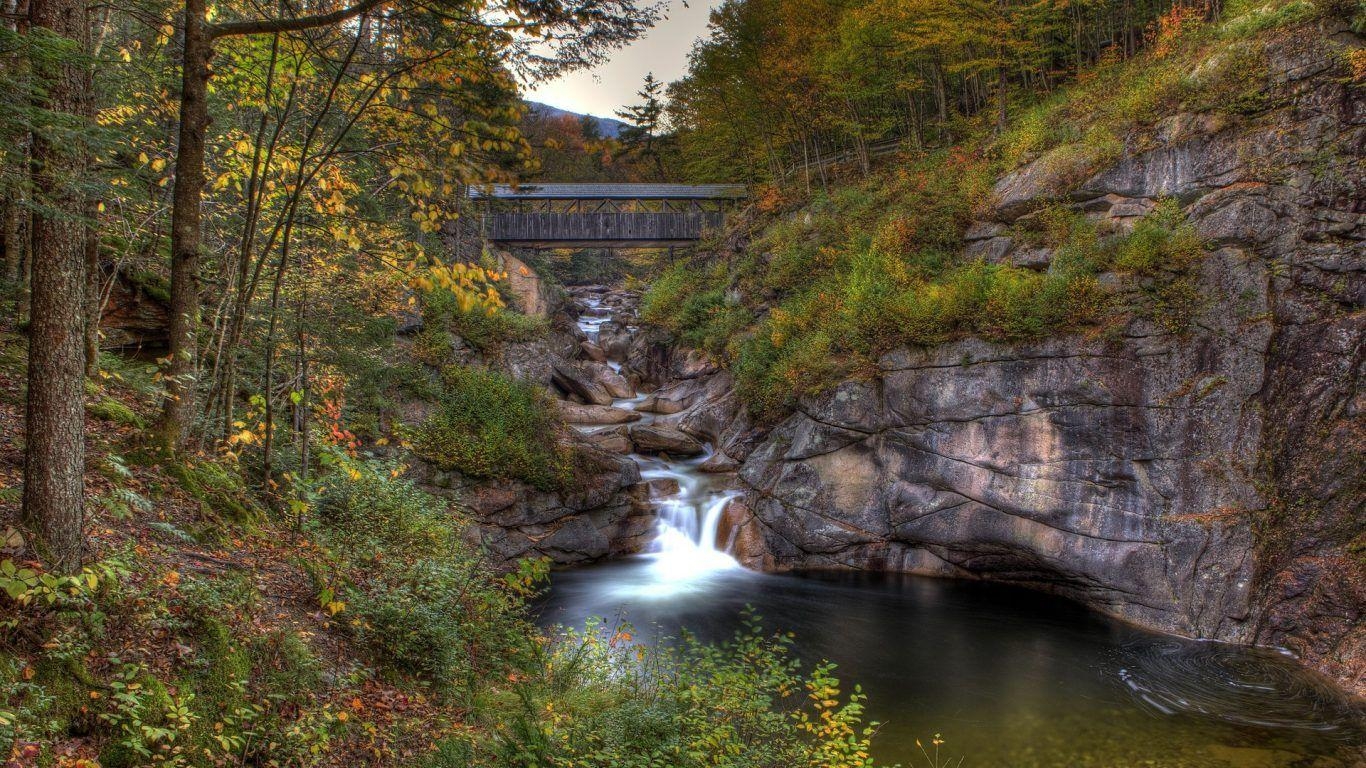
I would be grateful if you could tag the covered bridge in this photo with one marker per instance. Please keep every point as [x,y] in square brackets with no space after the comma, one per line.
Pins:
[604,215]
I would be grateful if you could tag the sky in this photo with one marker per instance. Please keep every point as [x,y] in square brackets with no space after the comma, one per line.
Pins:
[664,50]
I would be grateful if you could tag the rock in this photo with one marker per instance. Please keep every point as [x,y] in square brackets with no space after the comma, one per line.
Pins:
[719,462]
[605,513]
[614,383]
[572,379]
[1141,474]
[983,230]
[660,438]
[529,293]
[575,413]
[1034,185]
[662,487]
[1183,171]
[616,440]
[134,318]
[740,534]
[1032,258]
[991,250]
[592,351]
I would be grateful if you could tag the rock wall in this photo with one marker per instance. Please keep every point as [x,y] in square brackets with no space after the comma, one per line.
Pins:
[1209,482]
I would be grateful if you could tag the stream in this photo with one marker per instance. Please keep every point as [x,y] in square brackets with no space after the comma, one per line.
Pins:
[1010,677]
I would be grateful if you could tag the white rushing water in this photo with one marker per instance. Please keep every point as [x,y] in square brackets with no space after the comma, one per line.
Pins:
[688,503]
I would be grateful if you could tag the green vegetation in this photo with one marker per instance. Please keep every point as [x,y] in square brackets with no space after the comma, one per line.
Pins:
[866,263]
[598,699]
[830,298]
[488,424]
[481,328]
[377,632]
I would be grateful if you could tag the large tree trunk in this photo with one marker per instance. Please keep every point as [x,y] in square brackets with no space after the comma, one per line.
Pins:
[94,296]
[178,409]
[54,463]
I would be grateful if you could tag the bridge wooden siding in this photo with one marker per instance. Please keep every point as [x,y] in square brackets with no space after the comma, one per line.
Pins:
[604,215]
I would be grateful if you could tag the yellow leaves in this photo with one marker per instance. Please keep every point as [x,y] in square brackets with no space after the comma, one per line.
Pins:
[171,579]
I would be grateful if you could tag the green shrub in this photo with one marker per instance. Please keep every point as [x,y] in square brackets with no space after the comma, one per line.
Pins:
[422,602]
[599,701]
[488,424]
[1162,241]
[482,329]
[221,490]
[368,511]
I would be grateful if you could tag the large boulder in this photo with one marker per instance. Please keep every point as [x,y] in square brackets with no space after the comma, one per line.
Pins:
[576,380]
[580,413]
[661,438]
[604,513]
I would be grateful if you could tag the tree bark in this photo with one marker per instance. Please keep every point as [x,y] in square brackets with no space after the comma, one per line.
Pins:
[54,461]
[185,228]
[94,297]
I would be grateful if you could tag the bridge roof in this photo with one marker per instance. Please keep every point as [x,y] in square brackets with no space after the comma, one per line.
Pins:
[612,192]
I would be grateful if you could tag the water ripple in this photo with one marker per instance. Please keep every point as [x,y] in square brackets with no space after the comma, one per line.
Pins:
[1235,684]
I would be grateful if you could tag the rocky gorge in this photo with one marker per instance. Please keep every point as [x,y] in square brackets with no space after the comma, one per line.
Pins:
[1204,481]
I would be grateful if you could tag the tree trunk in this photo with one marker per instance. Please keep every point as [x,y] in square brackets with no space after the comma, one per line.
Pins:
[185,228]
[54,461]
[13,242]
[93,295]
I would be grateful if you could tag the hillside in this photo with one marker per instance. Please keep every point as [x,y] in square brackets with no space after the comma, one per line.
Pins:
[1113,350]
[607,127]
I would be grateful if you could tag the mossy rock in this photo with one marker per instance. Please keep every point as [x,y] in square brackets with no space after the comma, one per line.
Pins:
[114,411]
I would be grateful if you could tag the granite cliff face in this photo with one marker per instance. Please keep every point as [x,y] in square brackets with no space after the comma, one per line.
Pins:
[1206,481]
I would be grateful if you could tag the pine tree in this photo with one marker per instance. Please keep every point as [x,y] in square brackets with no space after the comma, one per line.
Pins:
[645,123]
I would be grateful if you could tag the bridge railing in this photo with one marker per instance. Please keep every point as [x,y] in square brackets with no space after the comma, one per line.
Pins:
[623,228]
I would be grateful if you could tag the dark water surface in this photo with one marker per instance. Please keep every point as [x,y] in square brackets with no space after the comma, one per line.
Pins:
[1009,677]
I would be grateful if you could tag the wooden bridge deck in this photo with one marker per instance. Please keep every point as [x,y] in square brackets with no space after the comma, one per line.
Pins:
[604,215]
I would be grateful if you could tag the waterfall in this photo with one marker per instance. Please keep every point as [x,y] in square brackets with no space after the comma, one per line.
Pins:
[686,522]
[687,504]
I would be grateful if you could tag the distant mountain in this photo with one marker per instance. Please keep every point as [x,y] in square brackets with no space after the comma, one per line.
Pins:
[606,125]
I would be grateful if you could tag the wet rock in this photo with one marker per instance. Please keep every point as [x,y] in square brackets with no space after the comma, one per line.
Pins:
[719,462]
[614,440]
[577,413]
[662,487]
[614,383]
[660,438]
[572,379]
[593,351]
[605,513]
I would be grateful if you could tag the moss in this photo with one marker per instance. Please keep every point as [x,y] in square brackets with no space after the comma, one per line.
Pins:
[222,491]
[114,411]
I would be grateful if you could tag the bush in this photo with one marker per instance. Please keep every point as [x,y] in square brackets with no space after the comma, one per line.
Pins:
[423,602]
[368,511]
[1162,241]
[488,424]
[482,329]
[597,700]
